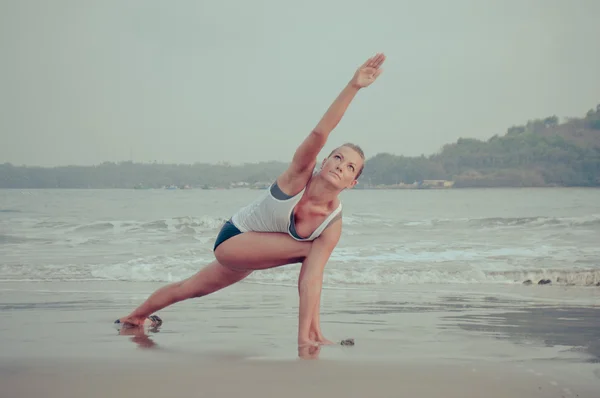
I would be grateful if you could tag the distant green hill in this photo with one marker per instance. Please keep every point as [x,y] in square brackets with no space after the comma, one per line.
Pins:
[542,152]
[539,153]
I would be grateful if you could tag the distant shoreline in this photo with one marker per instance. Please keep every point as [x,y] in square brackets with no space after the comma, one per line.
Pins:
[540,153]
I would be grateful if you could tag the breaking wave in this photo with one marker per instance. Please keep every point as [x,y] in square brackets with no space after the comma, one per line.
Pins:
[172,268]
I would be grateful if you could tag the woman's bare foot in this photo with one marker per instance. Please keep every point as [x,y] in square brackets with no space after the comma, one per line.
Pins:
[152,321]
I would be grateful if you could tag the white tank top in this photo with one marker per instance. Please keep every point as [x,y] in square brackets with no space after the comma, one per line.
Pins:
[273,212]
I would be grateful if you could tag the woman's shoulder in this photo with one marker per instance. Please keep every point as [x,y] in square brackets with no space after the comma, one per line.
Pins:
[292,184]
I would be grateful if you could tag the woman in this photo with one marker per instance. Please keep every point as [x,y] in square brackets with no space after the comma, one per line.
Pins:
[297,220]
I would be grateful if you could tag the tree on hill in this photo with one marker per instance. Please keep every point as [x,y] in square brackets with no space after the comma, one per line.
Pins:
[540,152]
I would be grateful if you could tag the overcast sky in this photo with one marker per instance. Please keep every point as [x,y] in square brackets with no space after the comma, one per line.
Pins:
[82,82]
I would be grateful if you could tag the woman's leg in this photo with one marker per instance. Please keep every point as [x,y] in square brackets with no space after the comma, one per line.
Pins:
[206,281]
[251,251]
[242,254]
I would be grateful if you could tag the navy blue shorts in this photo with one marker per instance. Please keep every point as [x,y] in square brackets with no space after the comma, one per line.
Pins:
[227,231]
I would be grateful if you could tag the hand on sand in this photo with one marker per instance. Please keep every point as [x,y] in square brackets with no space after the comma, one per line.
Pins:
[322,340]
[368,72]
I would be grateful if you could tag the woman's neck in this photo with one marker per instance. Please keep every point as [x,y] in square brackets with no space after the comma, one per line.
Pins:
[320,192]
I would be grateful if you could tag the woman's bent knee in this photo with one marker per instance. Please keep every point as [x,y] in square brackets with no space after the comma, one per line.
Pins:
[223,256]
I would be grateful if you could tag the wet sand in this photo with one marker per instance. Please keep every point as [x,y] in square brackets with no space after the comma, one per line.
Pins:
[233,378]
[439,341]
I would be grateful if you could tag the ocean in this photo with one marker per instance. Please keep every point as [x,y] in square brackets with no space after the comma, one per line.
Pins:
[391,238]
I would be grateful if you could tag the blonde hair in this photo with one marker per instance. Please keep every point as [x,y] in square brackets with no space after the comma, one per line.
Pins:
[356,149]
